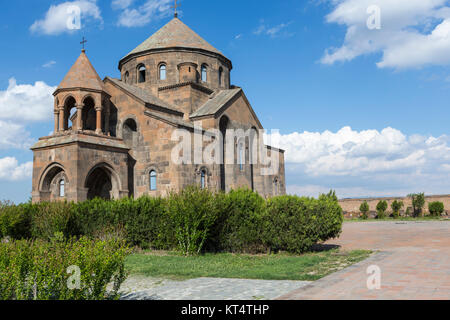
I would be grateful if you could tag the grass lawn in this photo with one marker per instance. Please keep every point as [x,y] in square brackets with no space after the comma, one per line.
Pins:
[311,266]
[426,218]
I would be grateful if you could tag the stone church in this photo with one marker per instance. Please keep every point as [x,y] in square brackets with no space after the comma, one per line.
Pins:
[113,138]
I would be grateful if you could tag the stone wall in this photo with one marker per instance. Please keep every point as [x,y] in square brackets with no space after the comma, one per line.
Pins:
[351,206]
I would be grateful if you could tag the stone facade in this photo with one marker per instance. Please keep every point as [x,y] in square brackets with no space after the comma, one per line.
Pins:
[351,206]
[114,137]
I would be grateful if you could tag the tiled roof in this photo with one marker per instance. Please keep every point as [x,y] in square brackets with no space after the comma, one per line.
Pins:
[175,34]
[143,95]
[212,106]
[82,75]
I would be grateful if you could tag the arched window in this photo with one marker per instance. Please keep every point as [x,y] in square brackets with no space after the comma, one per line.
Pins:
[61,187]
[127,77]
[204,73]
[162,72]
[220,76]
[275,186]
[153,180]
[141,74]
[203,179]
[241,156]
[129,133]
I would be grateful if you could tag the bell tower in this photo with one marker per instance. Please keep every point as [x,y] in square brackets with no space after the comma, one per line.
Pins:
[80,160]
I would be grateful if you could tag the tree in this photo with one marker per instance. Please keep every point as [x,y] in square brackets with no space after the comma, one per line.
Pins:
[364,208]
[436,208]
[418,203]
[396,206]
[381,209]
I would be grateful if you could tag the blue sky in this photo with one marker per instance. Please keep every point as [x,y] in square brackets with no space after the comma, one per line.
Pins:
[363,111]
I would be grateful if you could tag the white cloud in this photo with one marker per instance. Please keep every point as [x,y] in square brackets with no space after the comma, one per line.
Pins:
[14,135]
[366,163]
[144,14]
[49,64]
[11,170]
[121,4]
[272,32]
[26,102]
[414,33]
[56,19]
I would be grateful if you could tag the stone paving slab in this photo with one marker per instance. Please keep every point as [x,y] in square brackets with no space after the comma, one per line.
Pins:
[414,258]
[142,288]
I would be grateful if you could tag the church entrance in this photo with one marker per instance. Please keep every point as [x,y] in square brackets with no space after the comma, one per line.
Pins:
[99,184]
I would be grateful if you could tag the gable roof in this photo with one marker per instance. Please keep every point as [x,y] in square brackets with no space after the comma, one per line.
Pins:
[220,101]
[174,34]
[82,75]
[145,96]
[213,105]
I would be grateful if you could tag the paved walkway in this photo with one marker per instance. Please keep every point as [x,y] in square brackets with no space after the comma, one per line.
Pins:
[143,288]
[414,259]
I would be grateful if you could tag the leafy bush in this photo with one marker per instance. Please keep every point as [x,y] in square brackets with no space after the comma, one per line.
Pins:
[192,221]
[15,221]
[418,203]
[193,213]
[240,221]
[364,208]
[396,206]
[45,270]
[48,218]
[295,224]
[148,225]
[381,209]
[436,208]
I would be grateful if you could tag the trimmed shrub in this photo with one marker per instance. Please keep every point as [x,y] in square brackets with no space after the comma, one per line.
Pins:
[148,225]
[396,206]
[436,208]
[364,208]
[295,224]
[193,213]
[39,270]
[381,209]
[240,222]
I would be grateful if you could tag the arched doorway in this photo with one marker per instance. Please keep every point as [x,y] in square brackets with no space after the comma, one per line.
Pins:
[102,182]
[54,183]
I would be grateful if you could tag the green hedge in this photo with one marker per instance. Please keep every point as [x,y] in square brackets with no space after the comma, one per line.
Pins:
[192,221]
[48,270]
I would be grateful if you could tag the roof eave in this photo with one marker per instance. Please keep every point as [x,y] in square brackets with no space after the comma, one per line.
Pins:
[156,50]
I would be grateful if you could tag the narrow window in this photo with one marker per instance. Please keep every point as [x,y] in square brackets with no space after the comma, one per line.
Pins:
[203,179]
[153,180]
[162,72]
[220,76]
[204,73]
[62,192]
[141,74]
[275,186]
[127,76]
[241,156]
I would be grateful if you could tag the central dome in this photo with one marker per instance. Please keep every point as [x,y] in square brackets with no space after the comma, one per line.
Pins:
[174,34]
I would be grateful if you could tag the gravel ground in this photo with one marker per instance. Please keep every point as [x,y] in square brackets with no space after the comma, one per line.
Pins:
[144,288]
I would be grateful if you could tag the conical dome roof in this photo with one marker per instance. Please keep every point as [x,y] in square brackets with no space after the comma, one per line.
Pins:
[174,34]
[82,75]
